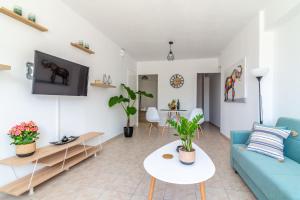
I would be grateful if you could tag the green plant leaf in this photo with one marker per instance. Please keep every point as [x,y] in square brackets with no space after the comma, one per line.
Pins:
[130,92]
[113,101]
[131,110]
[186,130]
[143,93]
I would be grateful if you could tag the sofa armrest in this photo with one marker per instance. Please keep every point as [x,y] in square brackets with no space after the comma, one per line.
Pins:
[239,137]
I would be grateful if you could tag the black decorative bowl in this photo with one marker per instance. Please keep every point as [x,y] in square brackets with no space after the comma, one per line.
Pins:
[62,142]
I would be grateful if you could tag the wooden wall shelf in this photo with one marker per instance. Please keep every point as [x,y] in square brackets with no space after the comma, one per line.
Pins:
[82,48]
[5,67]
[22,19]
[102,85]
[56,159]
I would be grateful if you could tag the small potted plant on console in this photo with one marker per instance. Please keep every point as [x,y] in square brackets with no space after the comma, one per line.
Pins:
[186,130]
[23,137]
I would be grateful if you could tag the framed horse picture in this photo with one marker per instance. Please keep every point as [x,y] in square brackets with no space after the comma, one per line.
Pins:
[235,83]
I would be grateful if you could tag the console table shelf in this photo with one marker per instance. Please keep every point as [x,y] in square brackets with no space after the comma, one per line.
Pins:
[56,159]
[60,156]
[22,19]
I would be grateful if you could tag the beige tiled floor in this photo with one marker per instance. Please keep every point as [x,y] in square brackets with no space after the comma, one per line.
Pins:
[118,173]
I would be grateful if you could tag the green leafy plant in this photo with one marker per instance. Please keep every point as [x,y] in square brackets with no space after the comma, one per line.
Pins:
[186,130]
[24,133]
[127,102]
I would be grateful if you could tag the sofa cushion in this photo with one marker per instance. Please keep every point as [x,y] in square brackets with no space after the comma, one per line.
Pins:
[292,143]
[277,180]
[268,140]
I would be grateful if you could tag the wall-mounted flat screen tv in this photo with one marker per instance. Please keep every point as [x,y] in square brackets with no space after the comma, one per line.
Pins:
[56,76]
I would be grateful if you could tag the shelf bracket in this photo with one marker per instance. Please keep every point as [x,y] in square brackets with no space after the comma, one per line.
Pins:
[65,157]
[31,178]
[13,169]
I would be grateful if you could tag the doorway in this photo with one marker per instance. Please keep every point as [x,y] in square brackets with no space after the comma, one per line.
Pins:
[209,96]
[149,84]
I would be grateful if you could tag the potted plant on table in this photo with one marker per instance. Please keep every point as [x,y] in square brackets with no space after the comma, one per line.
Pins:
[127,102]
[187,131]
[24,136]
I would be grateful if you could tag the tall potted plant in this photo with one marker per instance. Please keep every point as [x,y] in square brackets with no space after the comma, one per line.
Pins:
[187,131]
[24,136]
[127,102]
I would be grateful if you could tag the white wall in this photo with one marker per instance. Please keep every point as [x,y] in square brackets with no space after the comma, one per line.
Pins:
[287,69]
[245,44]
[78,114]
[270,40]
[187,94]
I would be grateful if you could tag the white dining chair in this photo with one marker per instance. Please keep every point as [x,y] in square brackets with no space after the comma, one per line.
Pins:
[152,117]
[192,114]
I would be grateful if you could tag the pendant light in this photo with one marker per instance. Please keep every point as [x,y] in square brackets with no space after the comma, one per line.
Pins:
[170,56]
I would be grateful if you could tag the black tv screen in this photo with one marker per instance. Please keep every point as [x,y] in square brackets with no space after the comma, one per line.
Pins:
[56,76]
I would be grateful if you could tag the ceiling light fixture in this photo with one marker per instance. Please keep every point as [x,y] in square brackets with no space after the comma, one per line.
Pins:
[170,56]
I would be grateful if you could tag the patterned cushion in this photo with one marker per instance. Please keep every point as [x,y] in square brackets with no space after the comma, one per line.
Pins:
[268,141]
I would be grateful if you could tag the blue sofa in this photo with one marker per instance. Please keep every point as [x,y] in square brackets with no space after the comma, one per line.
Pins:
[268,178]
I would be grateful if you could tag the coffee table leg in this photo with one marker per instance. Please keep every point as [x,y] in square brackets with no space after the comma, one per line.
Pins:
[202,191]
[152,184]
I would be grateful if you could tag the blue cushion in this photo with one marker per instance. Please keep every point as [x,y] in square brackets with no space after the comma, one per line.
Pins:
[292,143]
[275,179]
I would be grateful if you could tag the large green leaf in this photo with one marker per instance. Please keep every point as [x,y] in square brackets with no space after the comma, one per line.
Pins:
[143,93]
[131,110]
[116,100]
[130,92]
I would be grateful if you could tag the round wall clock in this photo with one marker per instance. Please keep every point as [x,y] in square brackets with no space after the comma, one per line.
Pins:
[176,81]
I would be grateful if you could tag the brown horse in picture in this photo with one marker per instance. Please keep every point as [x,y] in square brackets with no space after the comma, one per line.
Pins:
[230,81]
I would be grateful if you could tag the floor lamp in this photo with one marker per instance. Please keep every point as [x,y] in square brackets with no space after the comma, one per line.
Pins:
[259,73]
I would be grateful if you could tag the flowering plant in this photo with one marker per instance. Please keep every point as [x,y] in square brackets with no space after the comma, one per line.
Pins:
[24,133]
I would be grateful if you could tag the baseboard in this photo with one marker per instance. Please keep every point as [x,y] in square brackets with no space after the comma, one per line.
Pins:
[224,136]
[213,124]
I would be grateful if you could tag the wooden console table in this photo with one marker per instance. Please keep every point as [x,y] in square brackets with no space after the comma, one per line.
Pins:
[55,158]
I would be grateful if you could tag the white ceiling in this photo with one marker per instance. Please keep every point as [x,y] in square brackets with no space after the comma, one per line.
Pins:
[199,28]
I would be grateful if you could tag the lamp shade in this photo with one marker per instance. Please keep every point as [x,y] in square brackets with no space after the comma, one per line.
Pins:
[260,71]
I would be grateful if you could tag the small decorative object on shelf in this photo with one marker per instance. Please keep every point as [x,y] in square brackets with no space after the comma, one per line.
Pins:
[86,45]
[104,79]
[32,17]
[82,46]
[109,81]
[17,15]
[172,105]
[65,140]
[24,136]
[18,10]
[98,81]
[187,131]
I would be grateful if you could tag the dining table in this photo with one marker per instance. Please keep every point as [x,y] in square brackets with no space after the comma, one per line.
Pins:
[173,112]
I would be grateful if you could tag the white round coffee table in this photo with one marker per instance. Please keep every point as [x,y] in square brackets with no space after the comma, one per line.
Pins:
[173,171]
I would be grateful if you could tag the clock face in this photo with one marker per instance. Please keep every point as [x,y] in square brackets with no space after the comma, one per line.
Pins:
[176,81]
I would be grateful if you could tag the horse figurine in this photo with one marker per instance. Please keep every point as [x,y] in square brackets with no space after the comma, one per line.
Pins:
[230,81]
[57,71]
